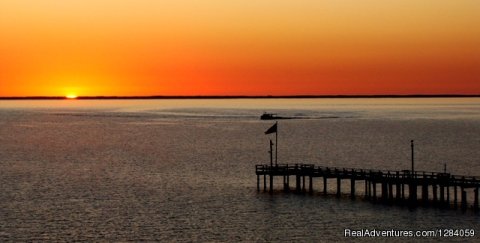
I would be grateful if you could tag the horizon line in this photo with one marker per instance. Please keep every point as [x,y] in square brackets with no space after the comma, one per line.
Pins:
[239,97]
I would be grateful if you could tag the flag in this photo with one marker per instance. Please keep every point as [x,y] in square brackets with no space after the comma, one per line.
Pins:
[272,129]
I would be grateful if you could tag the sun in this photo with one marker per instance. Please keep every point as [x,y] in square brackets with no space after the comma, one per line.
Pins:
[71,96]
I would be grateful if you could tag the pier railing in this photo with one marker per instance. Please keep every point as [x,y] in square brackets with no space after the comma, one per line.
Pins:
[333,172]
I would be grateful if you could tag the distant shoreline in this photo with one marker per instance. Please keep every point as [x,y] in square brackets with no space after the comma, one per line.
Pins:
[238,97]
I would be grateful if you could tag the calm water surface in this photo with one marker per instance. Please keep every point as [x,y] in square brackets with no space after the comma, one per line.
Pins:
[183,170]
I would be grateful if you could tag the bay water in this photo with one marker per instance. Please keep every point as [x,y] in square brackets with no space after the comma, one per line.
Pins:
[184,170]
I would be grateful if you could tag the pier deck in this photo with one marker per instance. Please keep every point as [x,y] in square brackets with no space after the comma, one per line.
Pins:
[439,189]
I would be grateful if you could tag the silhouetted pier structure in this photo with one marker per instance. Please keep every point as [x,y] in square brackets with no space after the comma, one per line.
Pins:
[391,187]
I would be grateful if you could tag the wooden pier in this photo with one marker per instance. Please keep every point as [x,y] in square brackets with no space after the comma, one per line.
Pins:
[390,187]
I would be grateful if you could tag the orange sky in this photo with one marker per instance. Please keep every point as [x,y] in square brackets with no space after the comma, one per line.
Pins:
[238,47]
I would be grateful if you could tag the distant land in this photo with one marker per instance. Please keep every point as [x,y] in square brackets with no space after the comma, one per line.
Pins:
[239,97]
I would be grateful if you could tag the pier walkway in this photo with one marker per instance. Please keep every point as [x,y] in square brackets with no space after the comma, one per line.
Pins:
[392,187]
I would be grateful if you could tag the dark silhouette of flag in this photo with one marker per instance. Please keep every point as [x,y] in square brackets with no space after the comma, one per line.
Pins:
[272,129]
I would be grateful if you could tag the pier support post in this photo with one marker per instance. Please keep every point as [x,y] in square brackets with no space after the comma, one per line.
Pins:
[352,188]
[397,187]
[366,188]
[384,191]
[310,185]
[374,191]
[265,182]
[398,193]
[369,189]
[286,186]
[288,182]
[403,190]
[258,183]
[271,183]
[464,199]
[442,195]
[298,188]
[455,197]
[324,185]
[425,194]
[338,186]
[413,193]
[390,192]
[448,195]
[434,190]
[303,183]
[475,200]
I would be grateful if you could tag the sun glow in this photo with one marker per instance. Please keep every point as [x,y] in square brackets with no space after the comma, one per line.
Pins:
[144,47]
[71,96]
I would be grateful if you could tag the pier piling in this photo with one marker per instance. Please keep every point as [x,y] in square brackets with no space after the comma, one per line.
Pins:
[352,188]
[271,184]
[398,193]
[390,192]
[455,197]
[384,191]
[298,189]
[339,186]
[475,202]
[264,182]
[425,193]
[303,183]
[464,199]
[325,185]
[366,189]
[442,195]
[310,185]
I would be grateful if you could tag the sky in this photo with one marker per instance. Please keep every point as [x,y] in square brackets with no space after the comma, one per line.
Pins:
[239,47]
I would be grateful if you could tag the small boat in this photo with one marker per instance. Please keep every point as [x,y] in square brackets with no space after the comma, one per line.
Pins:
[271,116]
[268,116]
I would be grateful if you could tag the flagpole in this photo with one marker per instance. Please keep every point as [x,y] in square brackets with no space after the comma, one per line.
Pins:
[276,144]
[271,153]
